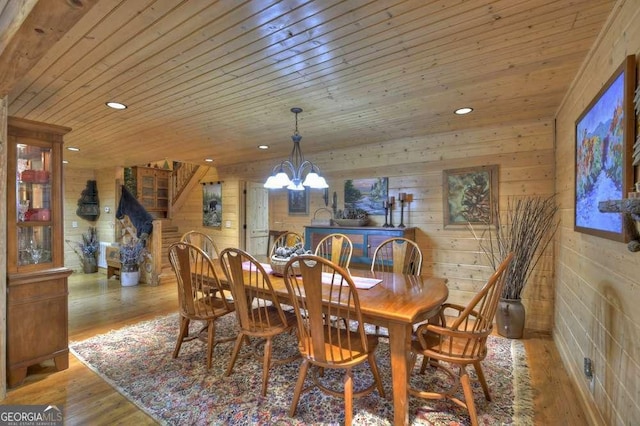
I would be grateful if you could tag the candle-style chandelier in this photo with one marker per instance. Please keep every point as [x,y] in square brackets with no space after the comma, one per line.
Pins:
[296,166]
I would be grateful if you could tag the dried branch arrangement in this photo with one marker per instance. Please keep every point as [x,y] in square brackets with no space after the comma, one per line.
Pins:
[530,226]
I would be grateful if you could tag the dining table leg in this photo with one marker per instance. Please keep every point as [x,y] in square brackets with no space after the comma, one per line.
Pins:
[399,343]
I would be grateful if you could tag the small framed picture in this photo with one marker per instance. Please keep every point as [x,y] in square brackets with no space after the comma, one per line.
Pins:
[298,202]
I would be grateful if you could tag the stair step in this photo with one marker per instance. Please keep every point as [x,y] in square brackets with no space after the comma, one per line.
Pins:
[171,234]
[166,242]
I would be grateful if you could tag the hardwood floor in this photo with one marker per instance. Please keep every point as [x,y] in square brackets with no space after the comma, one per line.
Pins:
[97,305]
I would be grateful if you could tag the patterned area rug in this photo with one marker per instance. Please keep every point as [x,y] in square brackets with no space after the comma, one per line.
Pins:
[136,360]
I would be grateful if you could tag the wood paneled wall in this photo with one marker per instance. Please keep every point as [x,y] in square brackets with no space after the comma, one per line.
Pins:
[75,181]
[524,153]
[190,216]
[107,181]
[598,280]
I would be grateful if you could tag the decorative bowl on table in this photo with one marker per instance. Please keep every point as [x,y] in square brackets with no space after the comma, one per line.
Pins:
[282,255]
[352,222]
[351,217]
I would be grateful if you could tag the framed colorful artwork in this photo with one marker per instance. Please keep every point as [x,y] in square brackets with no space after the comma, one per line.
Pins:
[212,204]
[604,141]
[366,194]
[470,196]
[298,202]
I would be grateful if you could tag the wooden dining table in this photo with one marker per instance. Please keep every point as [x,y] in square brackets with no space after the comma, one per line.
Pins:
[397,303]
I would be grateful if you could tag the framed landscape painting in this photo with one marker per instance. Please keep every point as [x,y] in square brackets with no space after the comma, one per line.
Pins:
[470,196]
[604,139]
[366,194]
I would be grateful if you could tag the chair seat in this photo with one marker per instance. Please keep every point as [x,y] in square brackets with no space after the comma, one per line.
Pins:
[453,350]
[213,305]
[273,318]
[355,353]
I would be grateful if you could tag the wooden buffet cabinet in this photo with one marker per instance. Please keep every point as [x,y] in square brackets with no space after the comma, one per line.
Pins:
[365,239]
[37,292]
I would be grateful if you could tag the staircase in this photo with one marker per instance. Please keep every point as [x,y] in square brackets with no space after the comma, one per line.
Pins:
[184,178]
[170,234]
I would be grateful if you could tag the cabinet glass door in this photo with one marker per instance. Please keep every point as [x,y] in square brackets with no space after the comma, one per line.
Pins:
[34,245]
[148,192]
[33,199]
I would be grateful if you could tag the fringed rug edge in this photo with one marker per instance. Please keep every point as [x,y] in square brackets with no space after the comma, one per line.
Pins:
[523,404]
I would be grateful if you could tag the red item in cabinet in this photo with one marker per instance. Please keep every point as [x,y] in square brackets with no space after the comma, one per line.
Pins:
[28,176]
[38,215]
[29,215]
[44,215]
[42,176]
[37,176]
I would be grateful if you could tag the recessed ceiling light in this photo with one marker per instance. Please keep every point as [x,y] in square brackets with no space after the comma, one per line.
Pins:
[65,162]
[209,160]
[73,148]
[263,146]
[116,105]
[463,111]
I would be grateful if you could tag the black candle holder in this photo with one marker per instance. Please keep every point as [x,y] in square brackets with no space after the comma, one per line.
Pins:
[391,202]
[386,212]
[401,214]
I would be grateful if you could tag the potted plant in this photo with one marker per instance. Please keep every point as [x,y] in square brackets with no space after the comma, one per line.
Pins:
[132,254]
[87,250]
[530,225]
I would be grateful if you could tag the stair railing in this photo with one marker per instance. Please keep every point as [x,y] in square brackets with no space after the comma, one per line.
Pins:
[182,174]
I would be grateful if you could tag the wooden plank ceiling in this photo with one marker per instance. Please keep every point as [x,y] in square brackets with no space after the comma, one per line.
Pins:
[205,78]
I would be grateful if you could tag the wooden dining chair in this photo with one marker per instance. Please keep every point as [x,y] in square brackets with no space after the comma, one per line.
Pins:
[199,291]
[399,255]
[203,241]
[287,239]
[259,314]
[337,248]
[396,254]
[461,342]
[329,344]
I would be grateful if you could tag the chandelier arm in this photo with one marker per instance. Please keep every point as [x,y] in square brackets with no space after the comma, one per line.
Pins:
[290,166]
[304,165]
[276,169]
[296,166]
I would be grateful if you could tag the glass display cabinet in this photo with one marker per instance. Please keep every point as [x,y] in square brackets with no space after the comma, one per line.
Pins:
[152,189]
[36,277]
